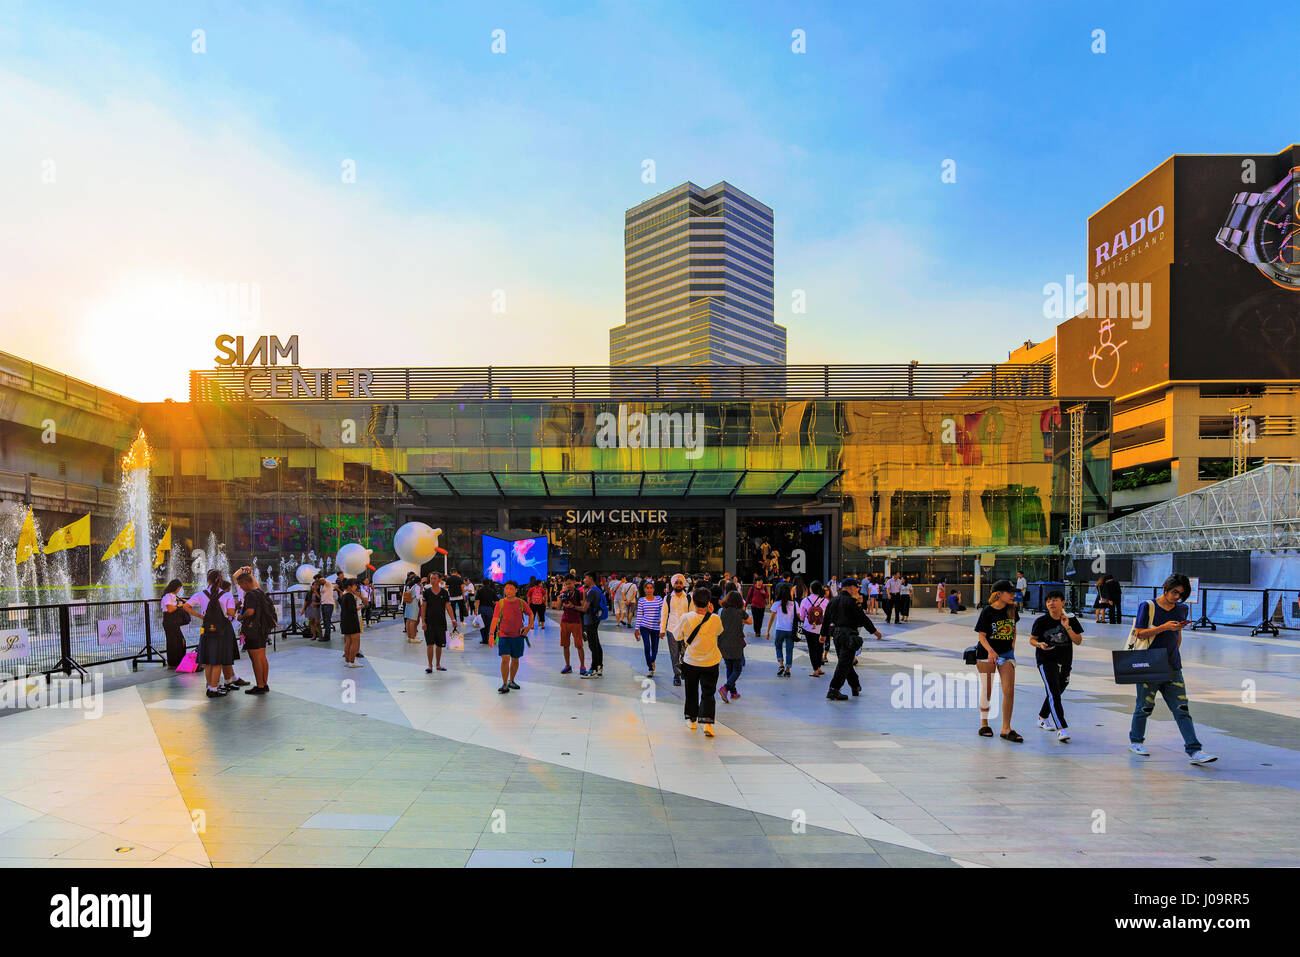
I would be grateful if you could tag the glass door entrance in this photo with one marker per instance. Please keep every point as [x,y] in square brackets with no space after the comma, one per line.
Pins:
[773,546]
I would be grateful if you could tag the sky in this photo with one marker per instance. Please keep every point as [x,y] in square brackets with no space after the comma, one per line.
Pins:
[376,179]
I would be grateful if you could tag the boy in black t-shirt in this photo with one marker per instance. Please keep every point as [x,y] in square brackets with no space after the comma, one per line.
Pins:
[996,651]
[1054,636]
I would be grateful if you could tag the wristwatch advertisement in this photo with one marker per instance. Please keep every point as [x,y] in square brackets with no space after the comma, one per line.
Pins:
[1264,229]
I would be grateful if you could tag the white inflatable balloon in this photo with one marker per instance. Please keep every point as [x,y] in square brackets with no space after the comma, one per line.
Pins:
[352,559]
[415,543]
[394,573]
[306,574]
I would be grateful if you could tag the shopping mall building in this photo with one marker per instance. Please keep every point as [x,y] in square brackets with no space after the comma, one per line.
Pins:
[833,468]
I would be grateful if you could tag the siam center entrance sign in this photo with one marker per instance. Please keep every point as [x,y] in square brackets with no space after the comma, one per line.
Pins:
[264,379]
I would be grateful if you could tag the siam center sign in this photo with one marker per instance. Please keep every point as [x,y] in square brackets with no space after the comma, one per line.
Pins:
[264,378]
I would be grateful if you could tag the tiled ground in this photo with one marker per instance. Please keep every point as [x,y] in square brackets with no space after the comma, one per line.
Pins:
[387,766]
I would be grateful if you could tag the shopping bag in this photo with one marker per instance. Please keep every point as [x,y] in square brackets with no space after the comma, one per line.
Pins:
[474,621]
[456,642]
[190,663]
[1141,666]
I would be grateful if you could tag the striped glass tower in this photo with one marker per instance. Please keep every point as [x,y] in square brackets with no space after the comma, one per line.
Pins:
[698,273]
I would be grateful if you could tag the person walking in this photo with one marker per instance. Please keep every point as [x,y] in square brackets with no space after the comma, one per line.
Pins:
[904,596]
[631,592]
[435,604]
[257,620]
[350,621]
[594,610]
[731,642]
[327,600]
[1114,599]
[512,619]
[485,598]
[1022,587]
[873,595]
[456,594]
[215,605]
[537,603]
[782,621]
[571,626]
[1053,637]
[893,587]
[677,605]
[700,630]
[757,600]
[1099,603]
[649,610]
[1160,623]
[996,652]
[844,617]
[411,593]
[812,616]
[175,614]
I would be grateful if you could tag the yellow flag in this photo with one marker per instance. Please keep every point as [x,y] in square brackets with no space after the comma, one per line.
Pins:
[26,539]
[125,539]
[70,536]
[164,545]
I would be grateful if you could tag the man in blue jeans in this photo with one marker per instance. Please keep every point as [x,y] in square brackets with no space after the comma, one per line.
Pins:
[1162,621]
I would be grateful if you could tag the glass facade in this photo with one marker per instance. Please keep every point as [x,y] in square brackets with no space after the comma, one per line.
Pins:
[913,476]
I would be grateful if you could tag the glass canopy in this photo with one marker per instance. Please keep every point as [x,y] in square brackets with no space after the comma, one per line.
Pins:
[701,483]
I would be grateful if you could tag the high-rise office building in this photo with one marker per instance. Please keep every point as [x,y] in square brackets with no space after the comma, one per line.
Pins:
[698,272]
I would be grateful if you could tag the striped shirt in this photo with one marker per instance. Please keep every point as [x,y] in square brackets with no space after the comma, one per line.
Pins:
[648,611]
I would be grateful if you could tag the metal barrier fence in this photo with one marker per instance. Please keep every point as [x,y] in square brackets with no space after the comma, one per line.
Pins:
[1253,608]
[73,636]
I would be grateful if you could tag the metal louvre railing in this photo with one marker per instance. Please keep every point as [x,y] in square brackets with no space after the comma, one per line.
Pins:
[639,383]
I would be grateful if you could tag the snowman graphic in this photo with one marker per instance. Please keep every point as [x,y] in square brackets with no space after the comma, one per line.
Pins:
[1105,352]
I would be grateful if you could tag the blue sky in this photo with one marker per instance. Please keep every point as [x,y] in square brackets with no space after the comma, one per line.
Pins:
[478,172]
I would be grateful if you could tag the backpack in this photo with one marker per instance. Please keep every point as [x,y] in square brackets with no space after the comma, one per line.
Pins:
[816,611]
[270,617]
[214,616]
[604,605]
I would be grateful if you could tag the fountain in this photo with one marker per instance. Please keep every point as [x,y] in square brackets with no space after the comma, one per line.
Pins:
[130,572]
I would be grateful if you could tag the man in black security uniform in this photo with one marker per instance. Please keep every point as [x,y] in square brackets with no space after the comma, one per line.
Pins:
[844,616]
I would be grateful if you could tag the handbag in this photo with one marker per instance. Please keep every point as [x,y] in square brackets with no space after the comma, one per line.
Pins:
[1141,666]
[971,655]
[456,642]
[190,663]
[1134,642]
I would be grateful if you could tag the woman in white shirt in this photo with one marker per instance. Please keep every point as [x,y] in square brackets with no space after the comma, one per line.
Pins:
[174,609]
[218,647]
[780,619]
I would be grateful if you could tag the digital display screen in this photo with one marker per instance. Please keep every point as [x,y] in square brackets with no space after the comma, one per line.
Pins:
[517,561]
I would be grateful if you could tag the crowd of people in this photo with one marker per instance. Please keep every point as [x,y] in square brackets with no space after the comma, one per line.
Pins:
[700,621]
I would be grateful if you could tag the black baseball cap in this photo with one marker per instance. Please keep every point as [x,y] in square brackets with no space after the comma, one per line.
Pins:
[1003,585]
[850,583]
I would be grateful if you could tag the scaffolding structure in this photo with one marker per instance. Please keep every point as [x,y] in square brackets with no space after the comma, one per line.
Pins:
[1076,469]
[1255,511]
[1240,427]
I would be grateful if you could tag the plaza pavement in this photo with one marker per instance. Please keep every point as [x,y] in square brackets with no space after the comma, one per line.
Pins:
[388,766]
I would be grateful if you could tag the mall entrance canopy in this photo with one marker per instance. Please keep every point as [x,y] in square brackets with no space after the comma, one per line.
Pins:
[733,484]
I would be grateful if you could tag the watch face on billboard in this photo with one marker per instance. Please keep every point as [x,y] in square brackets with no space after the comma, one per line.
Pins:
[1236,285]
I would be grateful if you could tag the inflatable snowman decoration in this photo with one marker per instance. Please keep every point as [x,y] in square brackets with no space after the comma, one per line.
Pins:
[415,544]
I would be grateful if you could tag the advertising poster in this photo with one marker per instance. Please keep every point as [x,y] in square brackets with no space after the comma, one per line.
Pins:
[14,644]
[110,632]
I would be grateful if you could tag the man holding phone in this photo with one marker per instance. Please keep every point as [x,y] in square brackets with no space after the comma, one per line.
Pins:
[1163,621]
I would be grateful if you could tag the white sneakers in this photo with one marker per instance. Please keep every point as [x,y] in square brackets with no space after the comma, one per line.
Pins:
[1200,757]
[1063,735]
[1045,725]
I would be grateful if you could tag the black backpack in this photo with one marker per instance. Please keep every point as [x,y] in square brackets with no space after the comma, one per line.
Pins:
[214,616]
